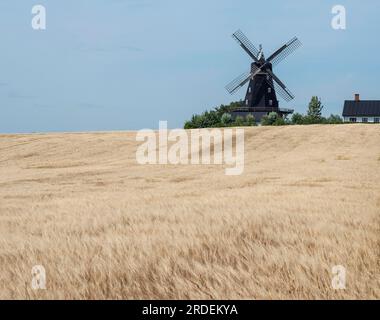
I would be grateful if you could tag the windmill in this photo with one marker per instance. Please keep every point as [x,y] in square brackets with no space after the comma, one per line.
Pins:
[264,85]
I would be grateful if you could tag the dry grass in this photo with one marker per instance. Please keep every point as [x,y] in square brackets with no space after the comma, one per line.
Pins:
[105,227]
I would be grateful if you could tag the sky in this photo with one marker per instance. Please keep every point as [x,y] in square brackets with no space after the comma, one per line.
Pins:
[127,64]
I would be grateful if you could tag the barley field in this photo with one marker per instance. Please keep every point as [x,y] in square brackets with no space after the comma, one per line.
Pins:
[105,227]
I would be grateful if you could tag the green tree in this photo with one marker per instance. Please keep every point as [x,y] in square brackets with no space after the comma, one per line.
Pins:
[197,120]
[222,109]
[188,125]
[314,111]
[211,119]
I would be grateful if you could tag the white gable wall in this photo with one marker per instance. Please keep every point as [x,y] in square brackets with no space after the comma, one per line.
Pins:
[360,119]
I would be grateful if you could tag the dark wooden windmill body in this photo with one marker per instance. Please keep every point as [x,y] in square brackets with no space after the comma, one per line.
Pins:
[263,84]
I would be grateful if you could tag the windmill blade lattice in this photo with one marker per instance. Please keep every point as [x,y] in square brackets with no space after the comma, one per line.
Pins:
[247,45]
[238,82]
[284,51]
[279,87]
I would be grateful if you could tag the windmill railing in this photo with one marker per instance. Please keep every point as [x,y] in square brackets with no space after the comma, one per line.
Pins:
[256,109]
[285,110]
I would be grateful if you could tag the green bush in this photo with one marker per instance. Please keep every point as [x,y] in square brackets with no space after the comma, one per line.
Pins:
[226,119]
[270,119]
[279,122]
[297,118]
[239,121]
[334,119]
[250,120]
[311,120]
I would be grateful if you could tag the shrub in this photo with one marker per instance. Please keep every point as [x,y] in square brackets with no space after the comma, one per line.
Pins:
[310,120]
[226,119]
[239,121]
[211,119]
[250,120]
[270,119]
[297,118]
[279,122]
[334,119]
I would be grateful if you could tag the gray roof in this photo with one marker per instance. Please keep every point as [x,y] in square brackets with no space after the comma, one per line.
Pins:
[369,108]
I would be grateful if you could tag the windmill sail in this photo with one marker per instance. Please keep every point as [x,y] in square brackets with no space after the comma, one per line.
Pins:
[284,51]
[247,45]
[241,80]
[279,86]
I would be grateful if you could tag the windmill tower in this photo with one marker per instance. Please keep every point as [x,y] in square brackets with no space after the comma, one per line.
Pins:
[264,85]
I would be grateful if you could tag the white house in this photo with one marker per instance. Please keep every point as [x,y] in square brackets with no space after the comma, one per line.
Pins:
[364,111]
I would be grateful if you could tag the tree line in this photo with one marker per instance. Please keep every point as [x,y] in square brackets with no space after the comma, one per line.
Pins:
[221,117]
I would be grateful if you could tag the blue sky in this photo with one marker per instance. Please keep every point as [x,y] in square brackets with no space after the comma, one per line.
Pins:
[126,64]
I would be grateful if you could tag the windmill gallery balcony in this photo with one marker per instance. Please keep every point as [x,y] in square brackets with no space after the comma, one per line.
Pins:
[259,112]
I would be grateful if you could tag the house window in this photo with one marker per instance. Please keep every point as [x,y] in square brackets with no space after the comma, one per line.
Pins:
[246,102]
[352,119]
[269,90]
[376,120]
[271,102]
[249,89]
[365,120]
